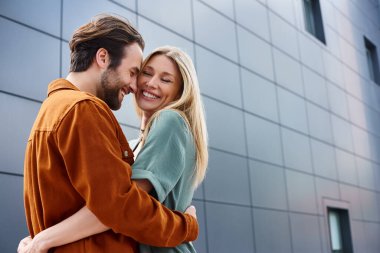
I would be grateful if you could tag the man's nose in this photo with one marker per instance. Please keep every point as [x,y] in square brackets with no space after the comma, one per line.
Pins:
[133,86]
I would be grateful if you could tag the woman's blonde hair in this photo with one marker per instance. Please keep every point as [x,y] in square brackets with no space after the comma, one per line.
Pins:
[189,105]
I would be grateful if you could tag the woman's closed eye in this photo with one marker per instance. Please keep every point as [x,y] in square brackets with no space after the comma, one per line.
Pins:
[166,80]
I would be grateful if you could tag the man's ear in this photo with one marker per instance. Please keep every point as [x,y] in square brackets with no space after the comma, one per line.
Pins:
[102,58]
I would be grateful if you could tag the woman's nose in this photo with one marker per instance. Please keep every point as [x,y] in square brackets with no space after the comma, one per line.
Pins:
[152,82]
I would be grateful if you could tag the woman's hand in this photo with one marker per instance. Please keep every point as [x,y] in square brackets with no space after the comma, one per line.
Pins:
[24,245]
[29,245]
[192,211]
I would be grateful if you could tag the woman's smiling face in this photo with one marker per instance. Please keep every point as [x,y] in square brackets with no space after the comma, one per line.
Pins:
[158,84]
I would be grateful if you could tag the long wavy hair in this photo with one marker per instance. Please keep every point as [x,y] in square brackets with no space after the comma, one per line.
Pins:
[189,105]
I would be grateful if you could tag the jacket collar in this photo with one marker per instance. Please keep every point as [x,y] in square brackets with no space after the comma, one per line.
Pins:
[60,84]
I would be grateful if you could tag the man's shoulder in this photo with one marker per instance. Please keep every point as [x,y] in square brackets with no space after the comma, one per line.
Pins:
[63,93]
[65,101]
[84,104]
[71,97]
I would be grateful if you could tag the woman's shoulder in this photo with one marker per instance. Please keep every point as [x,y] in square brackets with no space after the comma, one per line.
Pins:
[171,117]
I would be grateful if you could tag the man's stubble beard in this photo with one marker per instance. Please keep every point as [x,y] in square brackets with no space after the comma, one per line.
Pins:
[111,85]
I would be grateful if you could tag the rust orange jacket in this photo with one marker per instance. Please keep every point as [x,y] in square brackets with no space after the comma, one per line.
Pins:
[77,155]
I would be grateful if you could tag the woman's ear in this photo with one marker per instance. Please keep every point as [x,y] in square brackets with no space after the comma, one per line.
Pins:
[102,58]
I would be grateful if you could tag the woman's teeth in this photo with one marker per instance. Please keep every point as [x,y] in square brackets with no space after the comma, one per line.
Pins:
[149,95]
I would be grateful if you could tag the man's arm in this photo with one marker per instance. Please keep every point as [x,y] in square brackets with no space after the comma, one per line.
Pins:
[78,226]
[88,143]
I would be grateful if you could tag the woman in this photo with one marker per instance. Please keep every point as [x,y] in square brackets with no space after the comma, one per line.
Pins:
[171,153]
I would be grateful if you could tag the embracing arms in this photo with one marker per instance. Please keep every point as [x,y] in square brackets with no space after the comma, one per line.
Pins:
[80,225]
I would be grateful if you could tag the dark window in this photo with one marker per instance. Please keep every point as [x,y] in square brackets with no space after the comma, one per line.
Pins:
[372,61]
[313,19]
[340,232]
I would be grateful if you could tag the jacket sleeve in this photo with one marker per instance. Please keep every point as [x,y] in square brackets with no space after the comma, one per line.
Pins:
[87,141]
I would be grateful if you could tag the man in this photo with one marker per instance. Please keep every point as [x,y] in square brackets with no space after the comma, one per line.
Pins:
[78,156]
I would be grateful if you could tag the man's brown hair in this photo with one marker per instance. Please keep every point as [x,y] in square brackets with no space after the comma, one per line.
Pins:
[104,31]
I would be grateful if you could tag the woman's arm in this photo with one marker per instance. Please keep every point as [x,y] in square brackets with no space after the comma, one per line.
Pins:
[144,184]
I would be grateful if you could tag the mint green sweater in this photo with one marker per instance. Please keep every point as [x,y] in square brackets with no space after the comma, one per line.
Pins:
[167,160]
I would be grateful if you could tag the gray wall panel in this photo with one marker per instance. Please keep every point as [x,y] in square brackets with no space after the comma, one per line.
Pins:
[25,69]
[324,160]
[301,200]
[253,16]
[77,13]
[12,223]
[259,95]
[217,76]
[288,72]
[272,231]
[65,63]
[268,186]
[305,233]
[326,189]
[370,205]
[226,130]
[255,53]
[226,7]
[342,133]
[173,14]
[15,131]
[361,142]
[199,192]
[296,149]
[359,237]
[229,228]
[346,167]
[315,88]
[292,110]
[284,8]
[319,123]
[264,141]
[128,4]
[156,36]
[201,243]
[222,41]
[44,15]
[227,179]
[333,69]
[366,173]
[351,195]
[284,36]
[373,242]
[311,52]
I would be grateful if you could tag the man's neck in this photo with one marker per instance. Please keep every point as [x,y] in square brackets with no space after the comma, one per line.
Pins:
[84,81]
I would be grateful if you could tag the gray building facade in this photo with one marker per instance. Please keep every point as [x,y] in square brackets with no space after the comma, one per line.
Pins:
[293,118]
